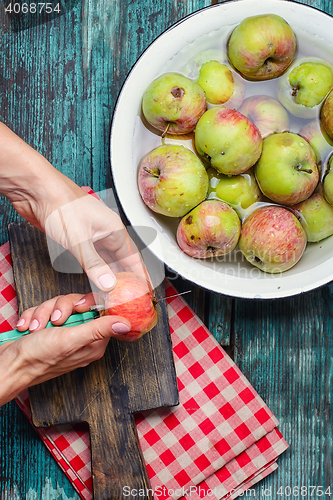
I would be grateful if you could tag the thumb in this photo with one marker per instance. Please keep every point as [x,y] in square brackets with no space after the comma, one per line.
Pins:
[96,268]
[99,329]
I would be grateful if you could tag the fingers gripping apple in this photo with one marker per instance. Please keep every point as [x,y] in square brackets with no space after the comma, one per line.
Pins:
[132,298]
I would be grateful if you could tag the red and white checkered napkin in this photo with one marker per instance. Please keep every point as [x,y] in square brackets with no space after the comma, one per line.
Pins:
[220,440]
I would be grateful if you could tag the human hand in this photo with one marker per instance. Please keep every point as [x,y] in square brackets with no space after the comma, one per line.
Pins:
[48,353]
[53,203]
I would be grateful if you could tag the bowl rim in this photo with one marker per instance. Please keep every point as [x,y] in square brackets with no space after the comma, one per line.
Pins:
[227,286]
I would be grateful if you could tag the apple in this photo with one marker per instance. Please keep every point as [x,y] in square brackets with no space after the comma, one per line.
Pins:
[266,113]
[328,183]
[316,217]
[304,87]
[287,171]
[220,84]
[318,140]
[173,103]
[239,191]
[262,47]
[326,115]
[192,68]
[272,239]
[172,180]
[228,140]
[133,299]
[208,65]
[209,230]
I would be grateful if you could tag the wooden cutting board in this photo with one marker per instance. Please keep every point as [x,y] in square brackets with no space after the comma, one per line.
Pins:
[131,377]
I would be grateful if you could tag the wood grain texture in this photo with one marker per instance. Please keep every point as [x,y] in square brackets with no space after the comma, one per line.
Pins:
[130,377]
[59,82]
[285,348]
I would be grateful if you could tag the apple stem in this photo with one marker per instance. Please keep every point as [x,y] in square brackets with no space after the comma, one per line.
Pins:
[307,170]
[165,131]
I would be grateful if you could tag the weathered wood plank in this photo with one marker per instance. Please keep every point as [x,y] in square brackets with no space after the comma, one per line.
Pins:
[59,84]
[285,348]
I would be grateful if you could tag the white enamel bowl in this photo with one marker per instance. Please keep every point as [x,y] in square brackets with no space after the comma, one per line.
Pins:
[131,140]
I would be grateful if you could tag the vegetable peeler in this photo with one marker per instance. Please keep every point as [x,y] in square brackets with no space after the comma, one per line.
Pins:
[74,319]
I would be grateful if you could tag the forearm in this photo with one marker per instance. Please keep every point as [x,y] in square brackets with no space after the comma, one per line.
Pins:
[28,179]
[14,378]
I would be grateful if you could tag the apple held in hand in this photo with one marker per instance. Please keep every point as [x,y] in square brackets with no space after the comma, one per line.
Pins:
[262,47]
[287,172]
[266,113]
[239,191]
[173,103]
[326,115]
[172,180]
[229,140]
[272,239]
[209,230]
[132,298]
[304,87]
[316,217]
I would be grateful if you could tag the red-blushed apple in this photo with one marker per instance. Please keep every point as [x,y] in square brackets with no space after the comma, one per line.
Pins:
[326,115]
[287,171]
[173,103]
[172,180]
[304,86]
[272,239]
[211,229]
[133,299]
[318,140]
[266,113]
[316,217]
[228,140]
[239,191]
[262,47]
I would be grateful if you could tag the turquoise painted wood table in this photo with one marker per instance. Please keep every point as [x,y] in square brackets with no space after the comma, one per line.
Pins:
[60,77]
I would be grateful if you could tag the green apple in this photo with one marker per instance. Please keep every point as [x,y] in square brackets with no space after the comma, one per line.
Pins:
[272,239]
[262,47]
[287,171]
[316,217]
[326,115]
[328,182]
[209,230]
[228,140]
[318,140]
[305,85]
[192,68]
[217,82]
[239,191]
[173,103]
[172,180]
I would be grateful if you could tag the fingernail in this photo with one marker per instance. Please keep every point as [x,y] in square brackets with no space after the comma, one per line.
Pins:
[20,322]
[34,324]
[119,328]
[82,301]
[56,315]
[106,281]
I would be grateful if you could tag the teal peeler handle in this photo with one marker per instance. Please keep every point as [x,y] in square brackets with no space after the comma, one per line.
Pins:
[74,319]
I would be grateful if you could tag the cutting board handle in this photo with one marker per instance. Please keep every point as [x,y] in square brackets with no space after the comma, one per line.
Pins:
[118,469]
